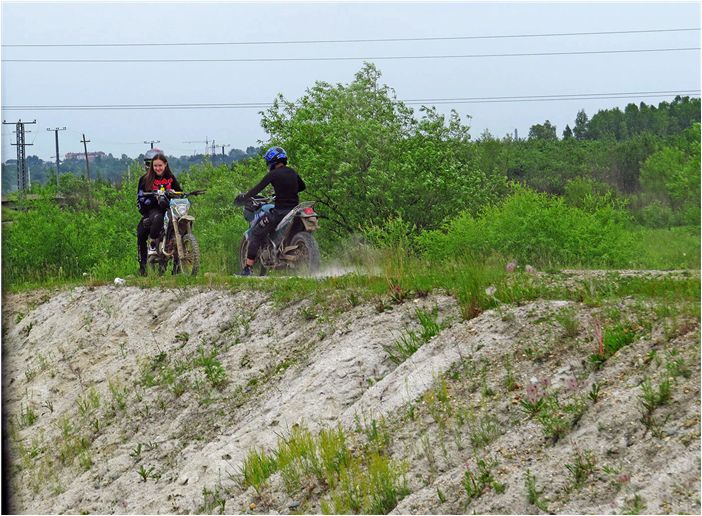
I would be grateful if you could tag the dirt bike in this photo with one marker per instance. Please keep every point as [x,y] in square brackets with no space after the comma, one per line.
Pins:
[291,246]
[179,244]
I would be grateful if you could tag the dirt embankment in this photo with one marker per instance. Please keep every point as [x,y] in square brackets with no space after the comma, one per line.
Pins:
[129,400]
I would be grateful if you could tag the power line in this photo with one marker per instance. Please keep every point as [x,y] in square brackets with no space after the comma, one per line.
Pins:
[455,100]
[359,40]
[345,58]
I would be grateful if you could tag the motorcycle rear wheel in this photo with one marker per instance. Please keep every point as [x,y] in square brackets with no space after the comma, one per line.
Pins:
[259,270]
[307,253]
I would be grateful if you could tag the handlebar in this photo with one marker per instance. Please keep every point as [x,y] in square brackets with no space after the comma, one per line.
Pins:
[173,193]
[255,202]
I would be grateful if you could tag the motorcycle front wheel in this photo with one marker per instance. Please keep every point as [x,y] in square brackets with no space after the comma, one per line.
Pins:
[307,258]
[155,266]
[189,263]
[259,270]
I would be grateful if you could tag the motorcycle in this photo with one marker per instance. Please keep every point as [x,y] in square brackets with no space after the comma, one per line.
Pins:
[291,246]
[177,242]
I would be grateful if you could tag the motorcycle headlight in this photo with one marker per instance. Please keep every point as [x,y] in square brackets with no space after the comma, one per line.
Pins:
[180,210]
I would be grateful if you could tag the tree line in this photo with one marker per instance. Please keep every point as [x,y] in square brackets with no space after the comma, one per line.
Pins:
[109,168]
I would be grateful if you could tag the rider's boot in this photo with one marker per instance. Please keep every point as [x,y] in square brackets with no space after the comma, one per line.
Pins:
[142,269]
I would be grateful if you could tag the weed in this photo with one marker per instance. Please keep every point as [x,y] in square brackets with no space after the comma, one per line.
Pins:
[88,403]
[476,484]
[27,416]
[136,452]
[594,393]
[484,430]
[429,323]
[214,370]
[257,467]
[441,495]
[509,382]
[212,500]
[582,468]
[611,341]
[48,404]
[404,347]
[567,319]
[437,400]
[85,460]
[635,505]
[534,493]
[678,367]
[334,453]
[377,433]
[651,397]
[119,395]
[30,374]
[145,473]
[182,337]
[428,450]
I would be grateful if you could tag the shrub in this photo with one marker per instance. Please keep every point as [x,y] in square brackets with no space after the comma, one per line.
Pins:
[538,229]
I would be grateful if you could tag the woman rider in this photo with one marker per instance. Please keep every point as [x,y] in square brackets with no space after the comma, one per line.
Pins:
[158,177]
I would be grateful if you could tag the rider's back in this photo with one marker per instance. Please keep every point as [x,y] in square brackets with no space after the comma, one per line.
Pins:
[286,184]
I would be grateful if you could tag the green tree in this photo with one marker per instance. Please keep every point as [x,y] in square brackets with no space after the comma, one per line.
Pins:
[672,176]
[545,131]
[580,131]
[366,159]
[567,133]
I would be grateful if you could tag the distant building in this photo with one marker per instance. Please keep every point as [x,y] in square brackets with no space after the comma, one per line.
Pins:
[81,155]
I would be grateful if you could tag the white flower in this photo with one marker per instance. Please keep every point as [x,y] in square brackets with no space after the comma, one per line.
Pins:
[490,291]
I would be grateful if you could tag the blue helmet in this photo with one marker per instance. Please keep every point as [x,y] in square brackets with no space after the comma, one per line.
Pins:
[275,155]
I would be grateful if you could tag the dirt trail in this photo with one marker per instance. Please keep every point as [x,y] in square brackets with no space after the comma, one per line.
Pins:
[100,383]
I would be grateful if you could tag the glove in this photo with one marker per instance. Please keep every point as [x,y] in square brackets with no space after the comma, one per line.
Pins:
[239,199]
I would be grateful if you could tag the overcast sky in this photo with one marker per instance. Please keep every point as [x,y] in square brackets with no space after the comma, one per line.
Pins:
[159,82]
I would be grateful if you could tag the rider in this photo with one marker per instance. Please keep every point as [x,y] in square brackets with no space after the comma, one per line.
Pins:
[286,185]
[157,177]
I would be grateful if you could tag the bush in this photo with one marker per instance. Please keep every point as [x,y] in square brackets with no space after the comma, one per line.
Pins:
[537,229]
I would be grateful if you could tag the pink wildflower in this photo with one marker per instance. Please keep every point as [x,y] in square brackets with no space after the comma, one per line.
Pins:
[598,337]
[511,266]
[572,383]
[533,394]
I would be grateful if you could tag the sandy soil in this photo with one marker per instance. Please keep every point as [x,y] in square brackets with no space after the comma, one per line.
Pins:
[100,383]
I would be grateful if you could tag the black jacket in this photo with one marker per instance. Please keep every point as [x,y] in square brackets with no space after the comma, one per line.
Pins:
[286,184]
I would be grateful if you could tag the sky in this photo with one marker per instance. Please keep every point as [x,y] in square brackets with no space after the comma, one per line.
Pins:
[157,81]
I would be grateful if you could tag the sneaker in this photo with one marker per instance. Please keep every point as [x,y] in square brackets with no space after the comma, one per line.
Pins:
[246,271]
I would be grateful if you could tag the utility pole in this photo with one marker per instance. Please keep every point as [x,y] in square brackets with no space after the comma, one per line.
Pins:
[223,146]
[152,142]
[56,130]
[87,169]
[22,173]
[213,147]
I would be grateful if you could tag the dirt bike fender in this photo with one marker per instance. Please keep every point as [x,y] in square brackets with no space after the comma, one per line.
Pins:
[187,217]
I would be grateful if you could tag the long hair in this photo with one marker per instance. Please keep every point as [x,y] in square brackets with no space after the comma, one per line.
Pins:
[151,175]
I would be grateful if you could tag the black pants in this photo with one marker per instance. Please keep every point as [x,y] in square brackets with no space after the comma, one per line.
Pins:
[264,227]
[150,225]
